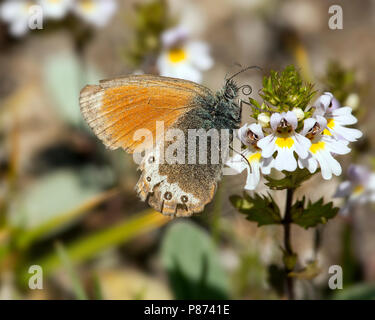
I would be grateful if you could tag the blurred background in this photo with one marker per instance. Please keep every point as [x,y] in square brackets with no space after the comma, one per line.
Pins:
[68,205]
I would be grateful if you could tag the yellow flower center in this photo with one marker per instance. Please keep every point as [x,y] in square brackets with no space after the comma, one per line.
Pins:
[254,157]
[327,132]
[316,147]
[331,123]
[177,55]
[358,189]
[284,142]
[87,5]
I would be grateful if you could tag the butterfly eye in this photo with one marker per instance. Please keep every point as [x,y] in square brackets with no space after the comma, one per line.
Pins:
[184,199]
[168,196]
[148,179]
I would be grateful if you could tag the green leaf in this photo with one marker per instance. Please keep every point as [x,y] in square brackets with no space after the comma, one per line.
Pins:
[191,260]
[90,245]
[314,214]
[52,195]
[78,289]
[291,180]
[262,210]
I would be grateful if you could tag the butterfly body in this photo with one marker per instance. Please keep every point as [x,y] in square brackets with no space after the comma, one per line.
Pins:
[116,108]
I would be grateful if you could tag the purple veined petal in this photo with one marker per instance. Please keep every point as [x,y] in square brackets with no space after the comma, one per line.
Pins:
[325,100]
[335,104]
[358,174]
[275,120]
[291,118]
[308,124]
[242,134]
[174,36]
[321,121]
[344,189]
[257,129]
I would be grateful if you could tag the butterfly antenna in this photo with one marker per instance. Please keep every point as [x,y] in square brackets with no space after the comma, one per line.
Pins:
[243,70]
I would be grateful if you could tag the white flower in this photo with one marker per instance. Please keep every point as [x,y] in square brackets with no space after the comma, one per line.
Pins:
[337,118]
[321,149]
[359,189]
[251,158]
[182,58]
[95,12]
[285,141]
[17,14]
[55,9]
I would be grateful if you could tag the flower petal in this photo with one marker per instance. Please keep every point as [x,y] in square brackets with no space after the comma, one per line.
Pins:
[267,144]
[302,145]
[253,176]
[275,120]
[291,117]
[285,160]
[343,190]
[237,162]
[344,116]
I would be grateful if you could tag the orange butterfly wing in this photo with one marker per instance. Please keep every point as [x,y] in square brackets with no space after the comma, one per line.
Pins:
[115,109]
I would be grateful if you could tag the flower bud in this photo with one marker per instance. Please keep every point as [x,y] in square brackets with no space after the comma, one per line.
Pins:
[299,113]
[264,119]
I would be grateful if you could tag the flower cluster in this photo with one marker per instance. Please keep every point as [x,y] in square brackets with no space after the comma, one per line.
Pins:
[182,57]
[358,189]
[18,14]
[289,133]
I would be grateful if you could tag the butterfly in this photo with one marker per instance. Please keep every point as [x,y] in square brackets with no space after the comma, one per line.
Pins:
[116,108]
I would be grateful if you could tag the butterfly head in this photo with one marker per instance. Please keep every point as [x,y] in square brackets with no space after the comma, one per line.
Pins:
[230,91]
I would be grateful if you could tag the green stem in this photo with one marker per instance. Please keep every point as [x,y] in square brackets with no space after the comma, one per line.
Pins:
[287,243]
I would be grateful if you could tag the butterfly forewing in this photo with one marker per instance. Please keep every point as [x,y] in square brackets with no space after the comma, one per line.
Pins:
[116,108]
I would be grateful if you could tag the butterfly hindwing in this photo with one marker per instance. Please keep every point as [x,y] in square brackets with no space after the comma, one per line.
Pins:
[180,189]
